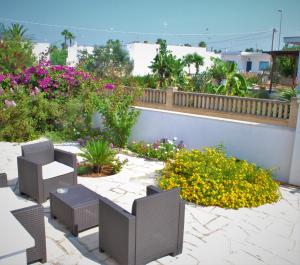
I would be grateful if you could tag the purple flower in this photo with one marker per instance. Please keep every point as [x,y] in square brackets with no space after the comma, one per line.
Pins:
[27,77]
[10,103]
[109,86]
[45,82]
[31,69]
[2,77]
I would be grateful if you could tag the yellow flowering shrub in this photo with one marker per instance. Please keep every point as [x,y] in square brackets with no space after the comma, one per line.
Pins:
[210,178]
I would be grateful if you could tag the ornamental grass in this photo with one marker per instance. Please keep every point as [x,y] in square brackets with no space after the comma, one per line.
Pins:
[211,178]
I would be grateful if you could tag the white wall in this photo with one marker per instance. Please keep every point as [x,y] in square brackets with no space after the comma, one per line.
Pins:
[295,165]
[241,58]
[74,52]
[143,54]
[39,48]
[266,145]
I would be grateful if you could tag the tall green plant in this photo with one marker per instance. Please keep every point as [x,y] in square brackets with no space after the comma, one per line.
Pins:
[110,60]
[15,49]
[195,59]
[119,116]
[229,81]
[166,66]
[58,56]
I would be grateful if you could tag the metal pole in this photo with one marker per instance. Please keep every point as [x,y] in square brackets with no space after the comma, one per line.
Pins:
[273,35]
[280,11]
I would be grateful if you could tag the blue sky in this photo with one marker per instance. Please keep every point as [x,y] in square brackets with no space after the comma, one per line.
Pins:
[96,21]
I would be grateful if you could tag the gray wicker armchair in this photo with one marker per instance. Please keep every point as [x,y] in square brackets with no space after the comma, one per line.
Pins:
[3,180]
[153,230]
[32,219]
[42,169]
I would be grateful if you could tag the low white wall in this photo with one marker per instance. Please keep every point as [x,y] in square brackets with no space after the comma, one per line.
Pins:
[266,145]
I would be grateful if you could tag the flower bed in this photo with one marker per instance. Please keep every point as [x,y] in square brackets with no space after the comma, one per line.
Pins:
[210,178]
[163,149]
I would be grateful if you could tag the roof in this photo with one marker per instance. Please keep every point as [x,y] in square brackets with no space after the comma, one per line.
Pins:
[282,53]
[239,53]
[292,40]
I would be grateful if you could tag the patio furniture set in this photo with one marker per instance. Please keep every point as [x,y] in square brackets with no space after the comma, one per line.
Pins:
[152,230]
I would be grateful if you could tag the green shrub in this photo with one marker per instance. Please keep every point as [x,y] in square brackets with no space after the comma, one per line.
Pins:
[16,123]
[15,55]
[119,116]
[28,117]
[210,178]
[75,118]
[58,56]
[98,154]
[163,149]
[287,94]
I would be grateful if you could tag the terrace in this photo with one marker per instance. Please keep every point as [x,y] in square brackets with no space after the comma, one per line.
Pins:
[268,234]
[101,167]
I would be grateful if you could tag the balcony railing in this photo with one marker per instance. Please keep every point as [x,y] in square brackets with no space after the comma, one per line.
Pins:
[240,108]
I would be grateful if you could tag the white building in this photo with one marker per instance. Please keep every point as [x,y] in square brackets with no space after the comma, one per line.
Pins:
[255,62]
[143,54]
[41,48]
[74,52]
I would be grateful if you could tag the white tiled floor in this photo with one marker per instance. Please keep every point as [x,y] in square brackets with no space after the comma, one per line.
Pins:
[269,234]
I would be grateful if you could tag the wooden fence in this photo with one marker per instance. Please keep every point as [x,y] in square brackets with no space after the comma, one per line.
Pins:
[248,109]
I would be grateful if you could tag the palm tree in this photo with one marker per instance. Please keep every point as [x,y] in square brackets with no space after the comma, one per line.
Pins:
[198,60]
[195,59]
[70,37]
[65,33]
[188,60]
[16,31]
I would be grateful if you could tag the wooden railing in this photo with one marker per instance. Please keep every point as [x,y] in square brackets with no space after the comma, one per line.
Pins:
[241,108]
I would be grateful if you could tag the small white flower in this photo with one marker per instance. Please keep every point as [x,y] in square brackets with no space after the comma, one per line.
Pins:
[175,139]
[148,145]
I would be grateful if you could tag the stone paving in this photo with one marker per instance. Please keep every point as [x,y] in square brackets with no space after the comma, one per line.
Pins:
[268,234]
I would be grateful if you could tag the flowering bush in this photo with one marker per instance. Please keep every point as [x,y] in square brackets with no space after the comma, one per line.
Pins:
[163,149]
[54,80]
[210,178]
[24,117]
[51,97]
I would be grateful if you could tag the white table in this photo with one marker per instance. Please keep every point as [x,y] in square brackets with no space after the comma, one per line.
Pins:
[14,239]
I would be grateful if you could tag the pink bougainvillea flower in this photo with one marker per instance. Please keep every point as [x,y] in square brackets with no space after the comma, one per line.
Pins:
[109,86]
[10,103]
[2,77]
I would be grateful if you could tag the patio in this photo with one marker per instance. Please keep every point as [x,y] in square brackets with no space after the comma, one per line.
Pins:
[268,234]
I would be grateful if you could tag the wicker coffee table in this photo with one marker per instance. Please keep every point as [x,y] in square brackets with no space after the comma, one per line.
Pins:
[77,208]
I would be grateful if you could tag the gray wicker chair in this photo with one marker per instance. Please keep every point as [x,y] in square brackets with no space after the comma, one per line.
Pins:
[32,219]
[3,180]
[153,230]
[42,169]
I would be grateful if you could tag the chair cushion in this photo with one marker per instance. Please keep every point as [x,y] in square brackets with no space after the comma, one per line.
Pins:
[55,169]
